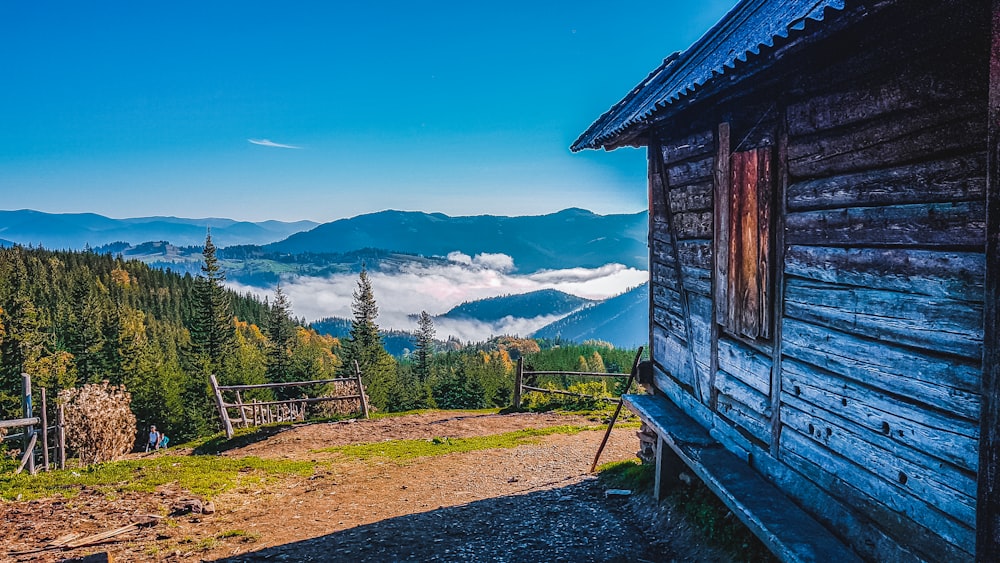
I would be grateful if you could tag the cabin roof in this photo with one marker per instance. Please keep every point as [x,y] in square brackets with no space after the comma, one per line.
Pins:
[751,28]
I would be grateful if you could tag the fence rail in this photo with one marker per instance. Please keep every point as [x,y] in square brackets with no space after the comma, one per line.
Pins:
[255,413]
[520,387]
[29,437]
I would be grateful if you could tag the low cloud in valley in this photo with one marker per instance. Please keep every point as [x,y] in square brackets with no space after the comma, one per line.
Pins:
[437,289]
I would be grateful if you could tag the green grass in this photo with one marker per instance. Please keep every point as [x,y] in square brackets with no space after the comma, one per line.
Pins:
[698,504]
[405,450]
[629,474]
[206,476]
[244,535]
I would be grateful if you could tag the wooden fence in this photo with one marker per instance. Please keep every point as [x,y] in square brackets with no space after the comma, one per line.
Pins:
[255,413]
[520,387]
[30,435]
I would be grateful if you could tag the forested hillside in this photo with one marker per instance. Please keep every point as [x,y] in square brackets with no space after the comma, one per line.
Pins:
[523,305]
[71,318]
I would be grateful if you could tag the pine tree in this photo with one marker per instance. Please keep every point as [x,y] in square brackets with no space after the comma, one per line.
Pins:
[213,337]
[378,369]
[212,329]
[425,346]
[280,332]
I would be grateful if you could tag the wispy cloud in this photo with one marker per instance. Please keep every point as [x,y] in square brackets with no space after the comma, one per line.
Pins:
[270,143]
[436,289]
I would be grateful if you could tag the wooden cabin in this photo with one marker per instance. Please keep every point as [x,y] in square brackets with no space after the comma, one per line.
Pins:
[825,275]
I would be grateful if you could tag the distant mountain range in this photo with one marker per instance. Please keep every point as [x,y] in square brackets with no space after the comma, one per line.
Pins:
[622,320]
[75,231]
[568,239]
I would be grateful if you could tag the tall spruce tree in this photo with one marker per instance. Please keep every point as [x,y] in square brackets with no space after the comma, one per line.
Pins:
[280,332]
[425,346]
[213,337]
[378,368]
[213,333]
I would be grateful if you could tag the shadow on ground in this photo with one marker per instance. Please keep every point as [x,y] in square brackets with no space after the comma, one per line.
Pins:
[573,523]
[220,443]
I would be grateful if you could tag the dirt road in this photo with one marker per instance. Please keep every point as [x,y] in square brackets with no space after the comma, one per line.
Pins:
[530,503]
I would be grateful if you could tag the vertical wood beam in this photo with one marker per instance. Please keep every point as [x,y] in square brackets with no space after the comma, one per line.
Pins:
[29,431]
[61,435]
[652,149]
[227,425]
[988,493]
[45,432]
[361,390]
[720,250]
[777,265]
[721,223]
[668,469]
[519,380]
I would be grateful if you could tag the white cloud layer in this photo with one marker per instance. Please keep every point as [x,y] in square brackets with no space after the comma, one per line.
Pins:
[499,262]
[436,289]
[270,143]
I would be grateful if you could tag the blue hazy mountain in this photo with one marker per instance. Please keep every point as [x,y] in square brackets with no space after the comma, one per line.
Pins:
[77,230]
[622,320]
[524,306]
[567,239]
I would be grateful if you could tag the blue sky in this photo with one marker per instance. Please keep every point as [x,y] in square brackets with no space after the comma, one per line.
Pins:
[140,108]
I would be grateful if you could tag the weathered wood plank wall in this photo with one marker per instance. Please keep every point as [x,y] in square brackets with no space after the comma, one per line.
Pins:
[988,491]
[879,335]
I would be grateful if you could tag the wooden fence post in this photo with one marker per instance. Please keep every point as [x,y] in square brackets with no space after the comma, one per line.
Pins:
[227,425]
[518,378]
[61,435]
[45,433]
[29,431]
[361,390]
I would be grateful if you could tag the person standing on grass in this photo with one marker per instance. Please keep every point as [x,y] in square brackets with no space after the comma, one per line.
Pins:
[154,439]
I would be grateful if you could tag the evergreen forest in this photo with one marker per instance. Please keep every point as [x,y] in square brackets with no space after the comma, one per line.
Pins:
[69,318]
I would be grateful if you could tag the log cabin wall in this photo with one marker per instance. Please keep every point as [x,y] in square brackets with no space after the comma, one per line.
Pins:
[877,277]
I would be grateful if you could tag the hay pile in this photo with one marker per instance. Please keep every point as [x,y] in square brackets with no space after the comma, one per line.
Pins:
[100,425]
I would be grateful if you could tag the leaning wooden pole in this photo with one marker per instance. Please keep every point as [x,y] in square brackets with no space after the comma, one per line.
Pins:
[29,431]
[45,433]
[361,390]
[223,413]
[618,409]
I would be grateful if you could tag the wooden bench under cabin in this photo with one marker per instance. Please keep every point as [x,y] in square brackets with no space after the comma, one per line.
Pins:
[788,531]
